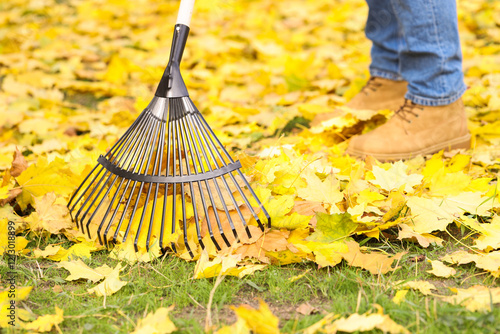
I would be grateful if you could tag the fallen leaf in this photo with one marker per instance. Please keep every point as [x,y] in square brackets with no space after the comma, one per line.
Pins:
[375,263]
[395,177]
[399,297]
[306,309]
[476,298]
[111,283]
[260,321]
[156,323]
[78,269]
[46,322]
[19,164]
[439,269]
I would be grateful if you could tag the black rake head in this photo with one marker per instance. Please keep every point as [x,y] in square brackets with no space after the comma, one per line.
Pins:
[167,173]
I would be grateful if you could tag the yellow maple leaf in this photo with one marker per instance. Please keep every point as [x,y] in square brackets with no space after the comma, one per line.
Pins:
[291,222]
[423,286]
[376,263]
[449,184]
[431,214]
[223,265]
[440,269]
[329,254]
[395,177]
[42,178]
[424,239]
[49,216]
[78,269]
[366,322]
[156,323]
[111,283]
[399,297]
[46,322]
[239,327]
[326,191]
[476,298]
[260,321]
[332,227]
[490,233]
[487,261]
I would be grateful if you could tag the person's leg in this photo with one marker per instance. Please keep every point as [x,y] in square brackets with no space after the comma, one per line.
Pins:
[383,30]
[386,88]
[433,116]
[430,54]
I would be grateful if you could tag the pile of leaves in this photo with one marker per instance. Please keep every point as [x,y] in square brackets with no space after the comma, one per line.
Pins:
[74,75]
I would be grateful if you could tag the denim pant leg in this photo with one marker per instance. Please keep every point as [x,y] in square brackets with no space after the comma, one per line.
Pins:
[383,30]
[430,54]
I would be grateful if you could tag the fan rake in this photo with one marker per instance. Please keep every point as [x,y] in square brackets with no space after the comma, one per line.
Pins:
[168,172]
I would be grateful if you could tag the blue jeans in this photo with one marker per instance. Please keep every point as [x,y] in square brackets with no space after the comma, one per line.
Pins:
[417,41]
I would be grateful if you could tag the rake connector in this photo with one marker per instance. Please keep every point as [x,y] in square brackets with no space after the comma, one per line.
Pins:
[167,172]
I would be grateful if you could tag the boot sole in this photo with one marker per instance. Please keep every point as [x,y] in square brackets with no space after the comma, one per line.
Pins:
[456,143]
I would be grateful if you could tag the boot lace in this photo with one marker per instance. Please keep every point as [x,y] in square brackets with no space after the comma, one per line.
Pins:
[371,85]
[407,109]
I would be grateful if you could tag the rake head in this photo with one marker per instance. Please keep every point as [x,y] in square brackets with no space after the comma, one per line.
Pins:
[168,173]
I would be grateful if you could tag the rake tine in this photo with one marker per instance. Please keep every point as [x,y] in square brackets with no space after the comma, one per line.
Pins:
[137,168]
[202,148]
[174,170]
[122,138]
[178,142]
[180,123]
[140,190]
[96,186]
[136,145]
[97,196]
[106,214]
[231,224]
[193,148]
[167,171]
[200,117]
[195,167]
[157,165]
[157,128]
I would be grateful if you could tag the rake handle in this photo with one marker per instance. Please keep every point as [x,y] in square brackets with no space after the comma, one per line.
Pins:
[185,12]
[171,83]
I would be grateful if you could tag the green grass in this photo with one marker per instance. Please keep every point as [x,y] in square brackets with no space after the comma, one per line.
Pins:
[342,290]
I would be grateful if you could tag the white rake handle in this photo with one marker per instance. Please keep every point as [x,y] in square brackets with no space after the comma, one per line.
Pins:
[185,12]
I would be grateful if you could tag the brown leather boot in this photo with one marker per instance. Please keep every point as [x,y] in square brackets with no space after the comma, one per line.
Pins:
[415,129]
[377,94]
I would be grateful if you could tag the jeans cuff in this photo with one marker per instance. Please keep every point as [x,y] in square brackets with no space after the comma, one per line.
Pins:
[430,102]
[385,74]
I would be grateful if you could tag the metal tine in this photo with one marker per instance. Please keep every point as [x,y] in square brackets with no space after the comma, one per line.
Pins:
[137,167]
[192,143]
[95,187]
[205,141]
[199,116]
[150,186]
[133,139]
[204,153]
[167,171]
[173,114]
[258,202]
[109,187]
[158,163]
[95,167]
[219,192]
[140,144]
[178,114]
[190,139]
[183,132]
[139,195]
